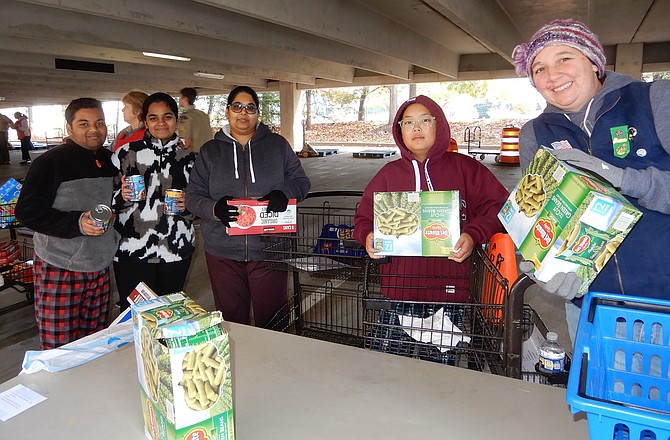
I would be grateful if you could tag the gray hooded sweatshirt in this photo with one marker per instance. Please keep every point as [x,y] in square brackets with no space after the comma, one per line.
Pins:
[226,168]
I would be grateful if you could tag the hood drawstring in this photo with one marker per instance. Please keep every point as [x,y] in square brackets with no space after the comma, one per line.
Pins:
[251,165]
[251,162]
[425,171]
[237,174]
[586,115]
[417,176]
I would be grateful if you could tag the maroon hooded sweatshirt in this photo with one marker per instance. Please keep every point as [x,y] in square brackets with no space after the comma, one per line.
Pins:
[433,279]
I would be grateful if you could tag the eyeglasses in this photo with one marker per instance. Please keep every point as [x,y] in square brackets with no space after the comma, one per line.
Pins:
[425,122]
[237,107]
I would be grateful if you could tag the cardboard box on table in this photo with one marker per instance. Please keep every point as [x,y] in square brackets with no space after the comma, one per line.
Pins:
[183,365]
[566,220]
[425,223]
[254,219]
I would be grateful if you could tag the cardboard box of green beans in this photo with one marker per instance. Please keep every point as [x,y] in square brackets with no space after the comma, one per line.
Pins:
[425,223]
[566,220]
[183,365]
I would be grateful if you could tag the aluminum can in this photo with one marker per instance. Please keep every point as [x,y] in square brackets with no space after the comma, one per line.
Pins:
[139,189]
[171,198]
[102,214]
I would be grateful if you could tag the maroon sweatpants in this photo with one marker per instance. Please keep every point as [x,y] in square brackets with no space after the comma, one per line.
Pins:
[239,285]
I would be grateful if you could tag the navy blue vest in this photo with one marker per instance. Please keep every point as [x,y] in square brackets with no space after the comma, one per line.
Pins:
[640,260]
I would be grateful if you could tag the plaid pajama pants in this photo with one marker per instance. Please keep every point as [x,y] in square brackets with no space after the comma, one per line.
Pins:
[69,305]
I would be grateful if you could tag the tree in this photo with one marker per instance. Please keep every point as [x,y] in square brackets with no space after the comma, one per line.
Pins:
[364,92]
[308,109]
[654,76]
[269,108]
[393,103]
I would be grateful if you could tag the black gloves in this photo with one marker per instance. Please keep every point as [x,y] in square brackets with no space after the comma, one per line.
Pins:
[277,201]
[224,212]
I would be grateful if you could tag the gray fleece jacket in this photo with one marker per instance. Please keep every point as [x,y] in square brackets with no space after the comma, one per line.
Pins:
[636,183]
[226,168]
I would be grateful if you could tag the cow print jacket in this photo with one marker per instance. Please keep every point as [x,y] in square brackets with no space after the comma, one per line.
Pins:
[147,233]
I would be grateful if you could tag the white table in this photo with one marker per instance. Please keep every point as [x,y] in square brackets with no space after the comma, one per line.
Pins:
[288,387]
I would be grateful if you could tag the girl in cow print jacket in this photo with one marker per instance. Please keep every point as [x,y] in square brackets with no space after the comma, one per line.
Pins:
[155,247]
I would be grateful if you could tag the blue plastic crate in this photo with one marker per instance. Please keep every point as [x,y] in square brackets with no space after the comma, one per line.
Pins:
[620,374]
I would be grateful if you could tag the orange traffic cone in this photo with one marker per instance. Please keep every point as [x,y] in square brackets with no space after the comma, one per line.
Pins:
[453,146]
[501,253]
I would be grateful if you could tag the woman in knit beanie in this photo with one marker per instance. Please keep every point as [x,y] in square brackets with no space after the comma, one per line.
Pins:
[614,126]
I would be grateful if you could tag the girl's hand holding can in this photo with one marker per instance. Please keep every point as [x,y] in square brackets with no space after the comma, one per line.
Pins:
[133,188]
[126,189]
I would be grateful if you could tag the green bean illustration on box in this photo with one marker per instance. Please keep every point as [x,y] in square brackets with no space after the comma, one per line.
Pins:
[395,214]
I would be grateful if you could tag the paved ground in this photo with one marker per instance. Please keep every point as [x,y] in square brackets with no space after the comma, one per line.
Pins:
[335,172]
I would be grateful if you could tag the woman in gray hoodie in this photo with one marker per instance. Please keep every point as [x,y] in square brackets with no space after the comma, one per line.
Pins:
[245,159]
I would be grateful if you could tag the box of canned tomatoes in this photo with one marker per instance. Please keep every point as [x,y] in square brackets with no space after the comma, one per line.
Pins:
[566,220]
[183,366]
[425,223]
[254,218]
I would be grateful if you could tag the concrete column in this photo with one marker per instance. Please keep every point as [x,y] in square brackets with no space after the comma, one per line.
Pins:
[291,116]
[629,59]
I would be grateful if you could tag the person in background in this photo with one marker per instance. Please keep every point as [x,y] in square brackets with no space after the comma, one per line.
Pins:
[421,284]
[22,127]
[132,114]
[72,252]
[156,246]
[586,107]
[5,125]
[194,126]
[245,159]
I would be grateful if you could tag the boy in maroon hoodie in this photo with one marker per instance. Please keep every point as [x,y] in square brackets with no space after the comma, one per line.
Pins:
[422,133]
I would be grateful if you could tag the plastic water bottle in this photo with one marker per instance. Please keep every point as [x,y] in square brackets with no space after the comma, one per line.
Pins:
[552,355]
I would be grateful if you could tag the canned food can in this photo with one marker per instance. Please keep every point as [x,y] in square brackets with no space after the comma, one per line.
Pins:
[172,196]
[102,214]
[137,185]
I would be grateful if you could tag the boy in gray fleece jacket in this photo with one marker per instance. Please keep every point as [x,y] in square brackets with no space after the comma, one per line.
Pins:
[72,253]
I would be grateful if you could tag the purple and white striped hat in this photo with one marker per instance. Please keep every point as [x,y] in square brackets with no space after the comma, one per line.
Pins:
[559,33]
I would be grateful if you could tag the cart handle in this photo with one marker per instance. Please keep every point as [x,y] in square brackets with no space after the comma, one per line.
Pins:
[334,193]
[514,325]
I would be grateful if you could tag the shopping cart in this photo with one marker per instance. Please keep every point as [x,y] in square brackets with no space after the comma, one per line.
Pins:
[466,334]
[327,268]
[337,296]
[16,254]
[489,332]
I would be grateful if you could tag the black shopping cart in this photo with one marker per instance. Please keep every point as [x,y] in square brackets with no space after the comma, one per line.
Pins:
[327,267]
[468,334]
[492,331]
[338,296]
